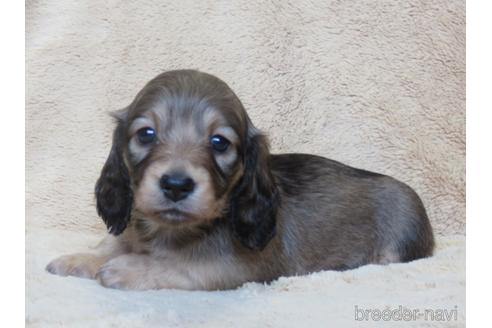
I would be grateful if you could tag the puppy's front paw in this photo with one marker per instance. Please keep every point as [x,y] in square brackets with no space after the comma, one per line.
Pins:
[126,272]
[78,265]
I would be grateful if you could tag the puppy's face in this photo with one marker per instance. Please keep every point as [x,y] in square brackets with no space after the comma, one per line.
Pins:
[184,158]
[185,152]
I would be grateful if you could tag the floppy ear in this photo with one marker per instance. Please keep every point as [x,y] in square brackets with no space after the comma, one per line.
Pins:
[255,200]
[113,193]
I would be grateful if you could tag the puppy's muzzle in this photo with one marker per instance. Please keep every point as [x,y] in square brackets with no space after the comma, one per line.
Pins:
[176,186]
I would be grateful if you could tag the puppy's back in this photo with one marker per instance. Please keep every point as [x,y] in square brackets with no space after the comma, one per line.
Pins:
[342,217]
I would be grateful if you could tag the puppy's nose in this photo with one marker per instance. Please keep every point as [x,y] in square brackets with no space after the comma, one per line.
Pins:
[177,186]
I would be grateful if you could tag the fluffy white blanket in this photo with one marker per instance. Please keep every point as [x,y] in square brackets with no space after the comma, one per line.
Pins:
[324,299]
[376,84]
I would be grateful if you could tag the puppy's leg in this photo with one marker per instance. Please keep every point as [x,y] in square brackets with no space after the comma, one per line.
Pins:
[140,272]
[86,265]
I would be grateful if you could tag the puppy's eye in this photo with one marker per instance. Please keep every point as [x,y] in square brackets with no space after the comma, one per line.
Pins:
[146,135]
[219,143]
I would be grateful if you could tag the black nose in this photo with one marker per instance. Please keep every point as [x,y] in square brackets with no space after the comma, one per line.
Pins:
[177,186]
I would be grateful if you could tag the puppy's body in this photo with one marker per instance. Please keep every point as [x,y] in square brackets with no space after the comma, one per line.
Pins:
[271,215]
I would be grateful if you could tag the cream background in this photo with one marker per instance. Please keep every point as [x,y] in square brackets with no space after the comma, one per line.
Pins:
[379,85]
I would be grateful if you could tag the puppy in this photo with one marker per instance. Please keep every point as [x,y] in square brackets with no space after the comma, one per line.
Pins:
[194,200]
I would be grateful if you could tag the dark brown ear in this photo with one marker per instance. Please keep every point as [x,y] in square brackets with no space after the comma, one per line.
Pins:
[113,192]
[254,202]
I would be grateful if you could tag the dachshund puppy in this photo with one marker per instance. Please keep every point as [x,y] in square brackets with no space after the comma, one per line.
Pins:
[194,200]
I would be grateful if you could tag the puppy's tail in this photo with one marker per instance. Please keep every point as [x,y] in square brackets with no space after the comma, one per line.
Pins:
[410,232]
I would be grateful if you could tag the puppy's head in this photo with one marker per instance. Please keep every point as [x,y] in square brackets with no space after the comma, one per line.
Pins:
[185,152]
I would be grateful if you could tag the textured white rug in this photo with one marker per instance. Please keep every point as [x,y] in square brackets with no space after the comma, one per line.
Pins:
[379,85]
[324,299]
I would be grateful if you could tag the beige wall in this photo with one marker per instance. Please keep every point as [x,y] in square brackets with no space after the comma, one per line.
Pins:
[378,85]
